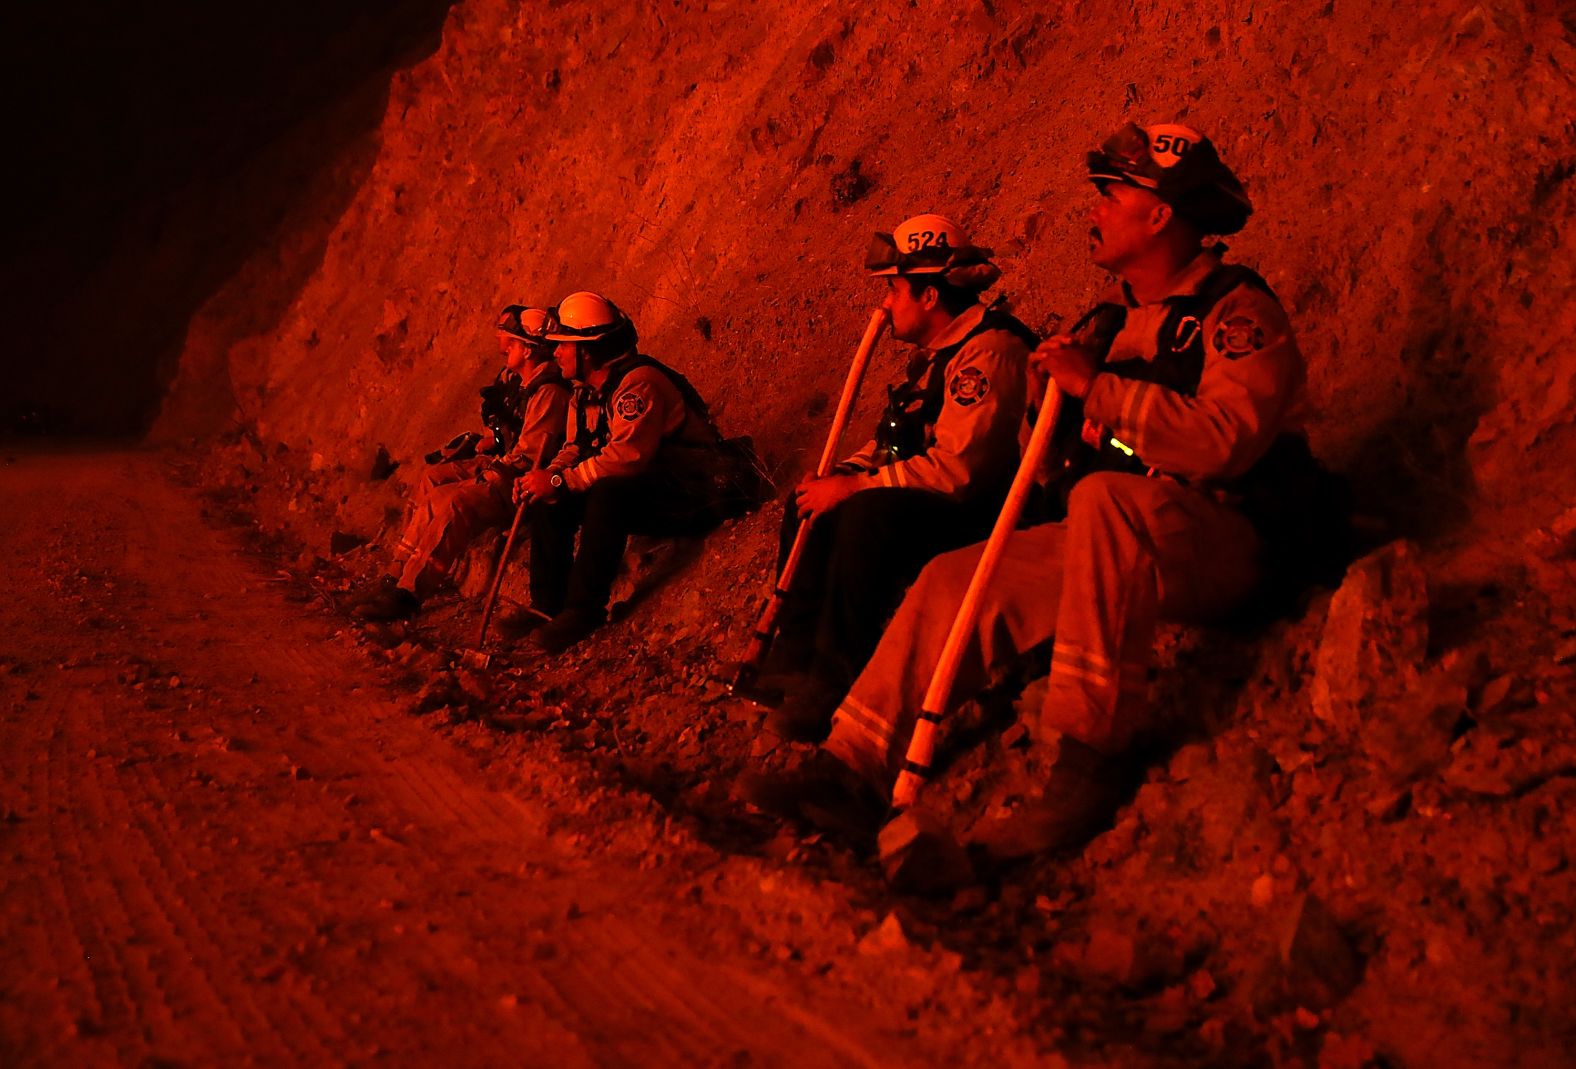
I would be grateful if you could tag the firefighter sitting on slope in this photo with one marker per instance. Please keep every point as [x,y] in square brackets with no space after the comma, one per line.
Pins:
[458,497]
[1190,384]
[641,456]
[932,478]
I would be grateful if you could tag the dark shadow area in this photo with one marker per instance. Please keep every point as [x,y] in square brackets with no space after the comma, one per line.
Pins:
[134,132]
[1412,472]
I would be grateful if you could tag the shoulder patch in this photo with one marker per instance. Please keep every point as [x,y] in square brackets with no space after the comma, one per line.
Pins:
[968,386]
[630,406]
[1239,336]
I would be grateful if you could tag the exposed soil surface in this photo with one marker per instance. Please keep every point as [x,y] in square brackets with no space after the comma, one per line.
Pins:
[1355,848]
[225,840]
[236,825]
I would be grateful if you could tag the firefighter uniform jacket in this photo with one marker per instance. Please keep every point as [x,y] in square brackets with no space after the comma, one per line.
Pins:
[618,427]
[974,443]
[544,403]
[1199,386]
[1207,423]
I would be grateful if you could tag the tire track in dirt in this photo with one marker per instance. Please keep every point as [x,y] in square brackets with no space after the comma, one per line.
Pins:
[315,674]
[173,873]
[90,916]
[154,914]
[167,957]
[268,861]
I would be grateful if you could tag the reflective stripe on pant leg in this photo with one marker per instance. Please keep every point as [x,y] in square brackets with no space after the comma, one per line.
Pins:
[458,511]
[410,540]
[420,539]
[1083,664]
[861,738]
[1107,614]
[871,720]
[432,479]
[1144,548]
[871,729]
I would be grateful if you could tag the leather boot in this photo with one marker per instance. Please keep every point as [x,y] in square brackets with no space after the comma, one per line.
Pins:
[1076,796]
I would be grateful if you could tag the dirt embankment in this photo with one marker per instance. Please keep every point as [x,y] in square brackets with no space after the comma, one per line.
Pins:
[718,169]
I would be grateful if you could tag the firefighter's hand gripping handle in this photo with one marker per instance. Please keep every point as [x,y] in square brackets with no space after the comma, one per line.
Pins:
[922,745]
[766,626]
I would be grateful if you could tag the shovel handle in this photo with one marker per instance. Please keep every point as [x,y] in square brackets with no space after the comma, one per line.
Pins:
[922,744]
[497,582]
[766,625]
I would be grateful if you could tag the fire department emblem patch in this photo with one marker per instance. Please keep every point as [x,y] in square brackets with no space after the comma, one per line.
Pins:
[630,406]
[968,386]
[1239,336]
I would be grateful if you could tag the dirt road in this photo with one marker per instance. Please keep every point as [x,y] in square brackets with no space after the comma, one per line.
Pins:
[221,839]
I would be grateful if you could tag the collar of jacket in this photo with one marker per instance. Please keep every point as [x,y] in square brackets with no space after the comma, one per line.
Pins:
[605,373]
[959,328]
[1185,283]
[545,373]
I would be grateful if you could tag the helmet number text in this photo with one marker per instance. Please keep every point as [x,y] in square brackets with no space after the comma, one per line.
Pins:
[925,239]
[1176,146]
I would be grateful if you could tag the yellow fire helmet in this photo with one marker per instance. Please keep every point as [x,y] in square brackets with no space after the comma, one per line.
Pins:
[932,244]
[585,316]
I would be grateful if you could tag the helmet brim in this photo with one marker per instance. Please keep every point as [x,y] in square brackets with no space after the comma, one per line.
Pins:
[1105,172]
[567,333]
[883,260]
[529,339]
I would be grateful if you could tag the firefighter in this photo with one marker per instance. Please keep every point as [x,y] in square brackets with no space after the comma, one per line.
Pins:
[1188,384]
[466,488]
[641,456]
[931,479]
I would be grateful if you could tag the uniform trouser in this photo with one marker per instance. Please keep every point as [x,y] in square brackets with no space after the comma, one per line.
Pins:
[606,514]
[451,508]
[1132,550]
[857,561]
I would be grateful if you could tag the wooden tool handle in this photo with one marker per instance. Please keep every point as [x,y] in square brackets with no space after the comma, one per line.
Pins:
[765,626]
[922,745]
[845,404]
[497,583]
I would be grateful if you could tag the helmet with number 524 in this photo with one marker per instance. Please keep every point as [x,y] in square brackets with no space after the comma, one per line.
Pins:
[932,245]
[1181,167]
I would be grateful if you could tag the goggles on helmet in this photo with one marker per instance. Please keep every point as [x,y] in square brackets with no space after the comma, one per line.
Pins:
[1125,157]
[585,316]
[525,324]
[1181,167]
[885,258]
[509,322]
[562,332]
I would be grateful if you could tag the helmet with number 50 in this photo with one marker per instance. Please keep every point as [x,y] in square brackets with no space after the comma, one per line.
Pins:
[932,245]
[1181,167]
